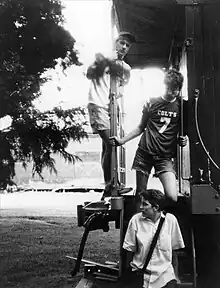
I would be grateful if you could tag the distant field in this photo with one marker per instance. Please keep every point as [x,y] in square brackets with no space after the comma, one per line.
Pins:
[88,150]
[44,203]
[38,230]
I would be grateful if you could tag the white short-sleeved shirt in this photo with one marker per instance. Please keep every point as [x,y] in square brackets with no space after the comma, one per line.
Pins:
[99,91]
[138,238]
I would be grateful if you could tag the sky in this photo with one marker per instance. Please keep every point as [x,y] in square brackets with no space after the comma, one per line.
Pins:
[90,24]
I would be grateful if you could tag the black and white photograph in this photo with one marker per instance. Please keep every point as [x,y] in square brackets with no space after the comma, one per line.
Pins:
[109,143]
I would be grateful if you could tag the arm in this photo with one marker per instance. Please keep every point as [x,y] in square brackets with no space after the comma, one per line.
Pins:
[177,243]
[128,257]
[175,264]
[91,72]
[120,69]
[134,133]
[129,244]
[97,68]
[176,235]
[127,73]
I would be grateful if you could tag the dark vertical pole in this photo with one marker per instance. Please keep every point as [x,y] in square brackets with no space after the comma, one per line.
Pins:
[194,70]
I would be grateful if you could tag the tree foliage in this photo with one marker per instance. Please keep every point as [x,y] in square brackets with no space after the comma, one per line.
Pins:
[33,40]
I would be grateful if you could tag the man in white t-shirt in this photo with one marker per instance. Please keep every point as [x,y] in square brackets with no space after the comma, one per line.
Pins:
[98,102]
[139,235]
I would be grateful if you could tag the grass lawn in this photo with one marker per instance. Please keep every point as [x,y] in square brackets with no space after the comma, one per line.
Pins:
[33,249]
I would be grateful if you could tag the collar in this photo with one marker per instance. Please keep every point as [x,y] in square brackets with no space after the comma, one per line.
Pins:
[162,214]
[168,100]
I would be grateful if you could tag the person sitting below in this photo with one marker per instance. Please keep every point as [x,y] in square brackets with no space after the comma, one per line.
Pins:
[140,232]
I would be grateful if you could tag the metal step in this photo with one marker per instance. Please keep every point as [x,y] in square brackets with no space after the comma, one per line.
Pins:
[185,285]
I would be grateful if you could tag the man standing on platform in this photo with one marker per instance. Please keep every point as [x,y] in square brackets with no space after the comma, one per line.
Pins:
[98,105]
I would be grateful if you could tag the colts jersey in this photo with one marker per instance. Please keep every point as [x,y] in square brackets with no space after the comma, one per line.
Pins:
[162,127]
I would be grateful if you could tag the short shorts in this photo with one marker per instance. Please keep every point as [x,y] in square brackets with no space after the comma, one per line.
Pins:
[98,117]
[144,162]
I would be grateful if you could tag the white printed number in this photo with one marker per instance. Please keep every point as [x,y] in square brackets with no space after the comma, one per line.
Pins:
[166,121]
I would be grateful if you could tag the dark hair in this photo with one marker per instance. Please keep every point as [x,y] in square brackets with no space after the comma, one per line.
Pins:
[154,196]
[173,79]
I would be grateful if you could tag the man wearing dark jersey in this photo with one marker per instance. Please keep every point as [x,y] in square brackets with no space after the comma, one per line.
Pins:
[159,126]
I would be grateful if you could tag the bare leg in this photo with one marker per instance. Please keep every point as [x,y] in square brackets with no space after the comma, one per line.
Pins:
[141,185]
[168,180]
[103,152]
[106,154]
